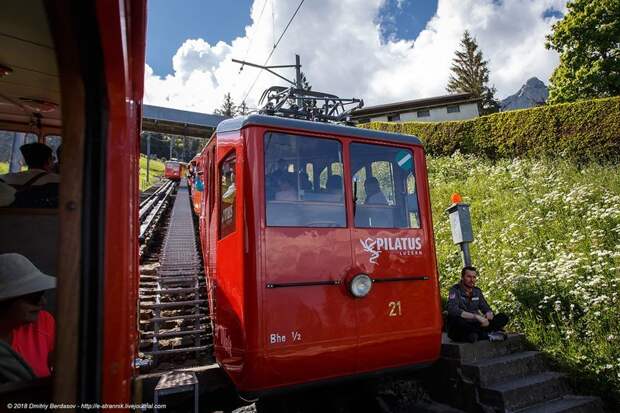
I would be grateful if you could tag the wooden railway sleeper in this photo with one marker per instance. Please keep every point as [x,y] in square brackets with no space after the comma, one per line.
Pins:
[175,333]
[174,304]
[179,350]
[176,318]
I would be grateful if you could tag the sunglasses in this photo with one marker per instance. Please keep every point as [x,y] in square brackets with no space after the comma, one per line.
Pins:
[34,298]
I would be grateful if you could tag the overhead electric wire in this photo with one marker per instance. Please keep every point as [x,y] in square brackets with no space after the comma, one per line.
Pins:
[274,49]
[256,28]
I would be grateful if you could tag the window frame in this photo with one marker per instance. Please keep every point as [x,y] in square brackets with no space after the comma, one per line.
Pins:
[232,154]
[316,182]
[451,108]
[423,113]
[352,173]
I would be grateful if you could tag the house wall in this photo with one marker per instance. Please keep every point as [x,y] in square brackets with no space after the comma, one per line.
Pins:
[437,114]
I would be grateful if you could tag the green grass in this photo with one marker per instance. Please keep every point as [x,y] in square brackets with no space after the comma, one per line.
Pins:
[156,172]
[547,244]
[4,167]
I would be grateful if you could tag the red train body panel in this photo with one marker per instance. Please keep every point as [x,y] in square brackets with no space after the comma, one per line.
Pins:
[279,268]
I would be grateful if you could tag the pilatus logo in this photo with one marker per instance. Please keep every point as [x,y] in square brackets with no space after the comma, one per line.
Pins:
[369,246]
[402,246]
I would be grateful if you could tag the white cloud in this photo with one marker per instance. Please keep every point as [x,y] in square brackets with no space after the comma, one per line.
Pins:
[342,52]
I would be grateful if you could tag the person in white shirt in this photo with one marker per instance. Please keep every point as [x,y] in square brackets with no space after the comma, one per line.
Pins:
[38,157]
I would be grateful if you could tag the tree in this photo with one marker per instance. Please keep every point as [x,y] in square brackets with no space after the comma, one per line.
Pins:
[588,40]
[470,74]
[228,108]
[243,109]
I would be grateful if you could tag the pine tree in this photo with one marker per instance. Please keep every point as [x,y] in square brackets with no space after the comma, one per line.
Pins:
[243,109]
[470,74]
[228,108]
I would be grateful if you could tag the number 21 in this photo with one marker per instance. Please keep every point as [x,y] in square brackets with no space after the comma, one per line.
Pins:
[394,309]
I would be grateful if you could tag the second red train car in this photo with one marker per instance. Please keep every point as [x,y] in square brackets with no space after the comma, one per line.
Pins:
[319,252]
[175,170]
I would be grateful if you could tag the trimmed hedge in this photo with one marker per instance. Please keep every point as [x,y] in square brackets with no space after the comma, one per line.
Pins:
[583,131]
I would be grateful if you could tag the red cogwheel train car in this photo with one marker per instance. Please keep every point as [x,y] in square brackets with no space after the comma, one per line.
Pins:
[319,252]
[175,170]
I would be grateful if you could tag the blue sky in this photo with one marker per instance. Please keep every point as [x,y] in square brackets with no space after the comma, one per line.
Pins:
[381,51]
[170,23]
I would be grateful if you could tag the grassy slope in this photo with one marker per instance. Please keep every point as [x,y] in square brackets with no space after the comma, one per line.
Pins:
[156,172]
[548,250]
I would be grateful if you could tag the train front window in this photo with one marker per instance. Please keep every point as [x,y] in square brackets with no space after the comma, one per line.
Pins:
[303,181]
[384,187]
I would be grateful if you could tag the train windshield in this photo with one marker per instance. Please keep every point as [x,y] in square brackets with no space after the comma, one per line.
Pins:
[174,166]
[384,187]
[303,181]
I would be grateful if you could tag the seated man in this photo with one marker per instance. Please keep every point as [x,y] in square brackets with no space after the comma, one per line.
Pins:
[334,189]
[287,188]
[38,186]
[469,316]
[27,333]
[374,196]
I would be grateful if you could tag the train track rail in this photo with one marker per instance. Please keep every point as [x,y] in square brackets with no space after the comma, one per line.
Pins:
[174,326]
[152,209]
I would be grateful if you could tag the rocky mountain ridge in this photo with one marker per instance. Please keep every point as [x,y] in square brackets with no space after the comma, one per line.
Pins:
[533,93]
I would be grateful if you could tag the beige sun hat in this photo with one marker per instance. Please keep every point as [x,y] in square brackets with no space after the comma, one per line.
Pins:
[19,276]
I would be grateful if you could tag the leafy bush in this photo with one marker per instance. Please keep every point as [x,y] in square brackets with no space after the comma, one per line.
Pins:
[583,131]
[547,244]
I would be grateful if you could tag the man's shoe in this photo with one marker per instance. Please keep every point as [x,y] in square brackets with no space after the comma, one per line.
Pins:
[497,336]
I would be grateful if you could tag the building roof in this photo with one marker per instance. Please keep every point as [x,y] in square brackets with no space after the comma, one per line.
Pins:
[236,124]
[179,122]
[416,104]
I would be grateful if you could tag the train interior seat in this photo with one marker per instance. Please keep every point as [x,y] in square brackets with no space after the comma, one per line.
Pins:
[34,234]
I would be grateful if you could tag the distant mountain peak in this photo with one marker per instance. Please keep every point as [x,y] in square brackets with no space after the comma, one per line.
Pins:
[533,93]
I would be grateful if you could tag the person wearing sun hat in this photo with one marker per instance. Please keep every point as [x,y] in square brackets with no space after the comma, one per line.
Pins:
[27,332]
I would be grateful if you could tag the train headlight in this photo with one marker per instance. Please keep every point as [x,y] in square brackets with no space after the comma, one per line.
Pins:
[360,285]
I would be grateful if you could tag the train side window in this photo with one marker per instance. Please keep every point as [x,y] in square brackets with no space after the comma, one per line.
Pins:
[385,188]
[10,157]
[303,181]
[211,183]
[228,195]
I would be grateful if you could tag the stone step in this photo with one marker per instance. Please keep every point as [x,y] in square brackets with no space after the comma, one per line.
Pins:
[567,404]
[505,368]
[480,350]
[524,392]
